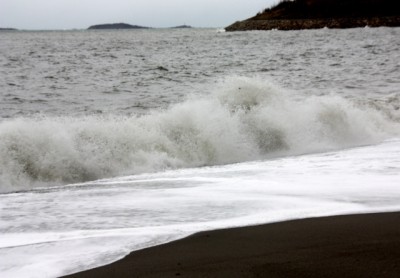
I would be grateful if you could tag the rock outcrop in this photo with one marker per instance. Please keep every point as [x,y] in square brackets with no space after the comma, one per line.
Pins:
[318,23]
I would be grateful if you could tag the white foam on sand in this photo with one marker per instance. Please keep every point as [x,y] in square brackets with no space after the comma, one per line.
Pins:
[61,230]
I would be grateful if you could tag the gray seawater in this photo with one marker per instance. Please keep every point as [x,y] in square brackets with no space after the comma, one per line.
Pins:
[83,105]
[104,136]
[125,72]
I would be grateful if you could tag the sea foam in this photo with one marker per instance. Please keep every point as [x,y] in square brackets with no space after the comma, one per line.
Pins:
[243,119]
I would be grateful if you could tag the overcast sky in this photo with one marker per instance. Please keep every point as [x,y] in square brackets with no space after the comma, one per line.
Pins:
[69,14]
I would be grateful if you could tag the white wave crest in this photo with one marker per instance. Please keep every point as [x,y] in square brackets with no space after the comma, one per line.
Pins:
[245,119]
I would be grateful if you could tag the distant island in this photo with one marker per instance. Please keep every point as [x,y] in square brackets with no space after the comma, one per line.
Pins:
[315,14]
[128,26]
[8,29]
[181,27]
[115,26]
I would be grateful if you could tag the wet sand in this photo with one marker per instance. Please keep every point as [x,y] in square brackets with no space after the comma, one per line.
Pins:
[341,246]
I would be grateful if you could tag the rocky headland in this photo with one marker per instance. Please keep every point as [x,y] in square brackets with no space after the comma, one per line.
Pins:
[315,14]
[111,26]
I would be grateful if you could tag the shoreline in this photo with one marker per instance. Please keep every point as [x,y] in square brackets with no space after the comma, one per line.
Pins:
[361,245]
[316,23]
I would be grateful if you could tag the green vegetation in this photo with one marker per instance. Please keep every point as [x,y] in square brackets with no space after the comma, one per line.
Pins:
[312,9]
[315,14]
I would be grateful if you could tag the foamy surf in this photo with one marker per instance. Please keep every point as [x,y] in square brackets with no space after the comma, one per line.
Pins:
[80,227]
[244,119]
[165,166]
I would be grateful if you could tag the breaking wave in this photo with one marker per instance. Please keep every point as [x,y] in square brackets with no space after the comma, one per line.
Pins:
[245,119]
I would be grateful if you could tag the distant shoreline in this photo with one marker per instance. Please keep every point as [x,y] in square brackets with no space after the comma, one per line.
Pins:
[318,23]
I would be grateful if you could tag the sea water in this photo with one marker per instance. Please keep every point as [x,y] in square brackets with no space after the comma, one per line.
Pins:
[113,141]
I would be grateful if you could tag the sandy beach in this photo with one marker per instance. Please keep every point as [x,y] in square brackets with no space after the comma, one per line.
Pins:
[366,245]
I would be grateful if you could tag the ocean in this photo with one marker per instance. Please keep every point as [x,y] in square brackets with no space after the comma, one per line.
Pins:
[114,141]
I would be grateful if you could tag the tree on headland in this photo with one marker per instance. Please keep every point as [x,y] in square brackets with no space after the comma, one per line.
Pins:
[315,14]
[292,9]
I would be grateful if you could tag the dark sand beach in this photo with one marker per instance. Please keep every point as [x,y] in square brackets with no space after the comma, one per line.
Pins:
[366,245]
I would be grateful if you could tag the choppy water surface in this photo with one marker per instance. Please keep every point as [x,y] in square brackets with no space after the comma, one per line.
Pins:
[254,126]
[124,72]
